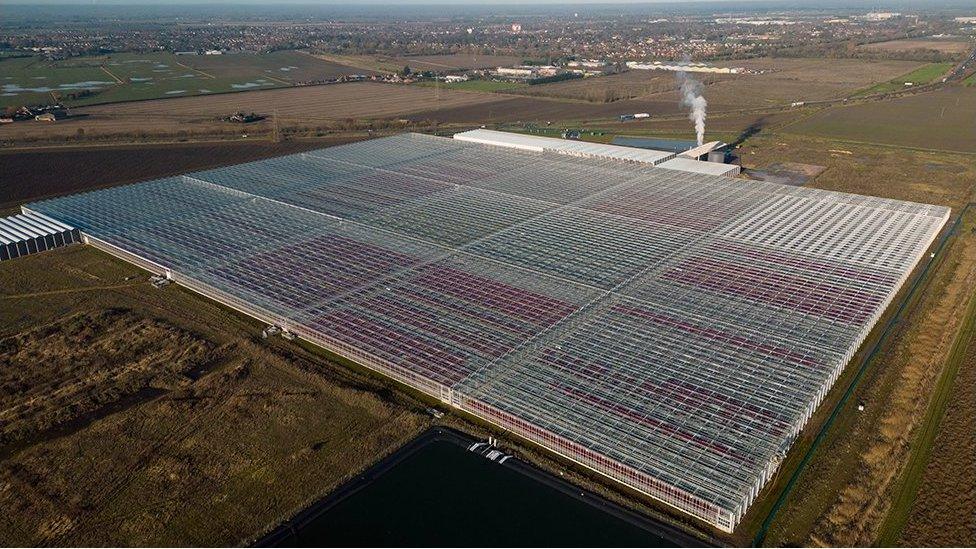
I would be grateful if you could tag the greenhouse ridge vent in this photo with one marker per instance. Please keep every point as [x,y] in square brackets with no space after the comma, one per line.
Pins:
[671,330]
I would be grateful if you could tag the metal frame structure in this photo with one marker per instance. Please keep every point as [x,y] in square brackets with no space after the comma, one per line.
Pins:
[31,233]
[673,331]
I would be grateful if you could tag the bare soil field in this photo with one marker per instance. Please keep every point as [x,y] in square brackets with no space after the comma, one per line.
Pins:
[942,514]
[37,174]
[793,80]
[943,119]
[844,494]
[942,46]
[233,435]
[542,110]
[202,114]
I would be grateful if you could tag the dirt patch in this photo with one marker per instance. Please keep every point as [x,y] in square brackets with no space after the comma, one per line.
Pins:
[787,173]
[36,174]
[216,457]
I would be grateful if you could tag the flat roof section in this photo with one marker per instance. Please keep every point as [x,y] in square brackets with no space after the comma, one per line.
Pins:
[699,166]
[671,330]
[563,146]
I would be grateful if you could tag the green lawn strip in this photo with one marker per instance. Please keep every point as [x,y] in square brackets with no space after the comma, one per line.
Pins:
[921,447]
[922,75]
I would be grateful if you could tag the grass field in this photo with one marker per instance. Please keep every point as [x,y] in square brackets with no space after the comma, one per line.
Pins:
[136,76]
[949,46]
[941,513]
[610,88]
[942,528]
[785,81]
[922,75]
[152,451]
[941,119]
[28,80]
[477,85]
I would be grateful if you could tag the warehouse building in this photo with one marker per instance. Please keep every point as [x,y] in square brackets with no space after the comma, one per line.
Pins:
[671,330]
[583,149]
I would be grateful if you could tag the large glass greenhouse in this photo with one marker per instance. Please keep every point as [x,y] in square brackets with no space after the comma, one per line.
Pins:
[673,331]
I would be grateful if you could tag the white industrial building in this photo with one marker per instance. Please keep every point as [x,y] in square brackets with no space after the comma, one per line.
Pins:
[563,146]
[685,162]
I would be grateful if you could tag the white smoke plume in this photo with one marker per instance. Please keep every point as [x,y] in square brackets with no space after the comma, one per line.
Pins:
[691,97]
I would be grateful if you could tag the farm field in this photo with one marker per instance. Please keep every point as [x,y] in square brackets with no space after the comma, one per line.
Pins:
[138,76]
[148,455]
[607,89]
[436,63]
[333,106]
[476,85]
[542,110]
[793,80]
[941,119]
[949,46]
[196,116]
[922,75]
[26,80]
[69,170]
[288,66]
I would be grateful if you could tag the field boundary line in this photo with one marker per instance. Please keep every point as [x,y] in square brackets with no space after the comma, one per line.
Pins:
[889,327]
[911,478]
[110,73]
[208,75]
[69,291]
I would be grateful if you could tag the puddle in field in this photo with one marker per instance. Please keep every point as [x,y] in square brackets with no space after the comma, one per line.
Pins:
[86,85]
[174,92]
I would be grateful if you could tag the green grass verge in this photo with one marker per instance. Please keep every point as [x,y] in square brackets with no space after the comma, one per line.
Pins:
[970,80]
[921,448]
[922,75]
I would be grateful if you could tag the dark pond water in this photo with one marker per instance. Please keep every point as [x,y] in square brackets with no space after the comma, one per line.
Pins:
[444,495]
